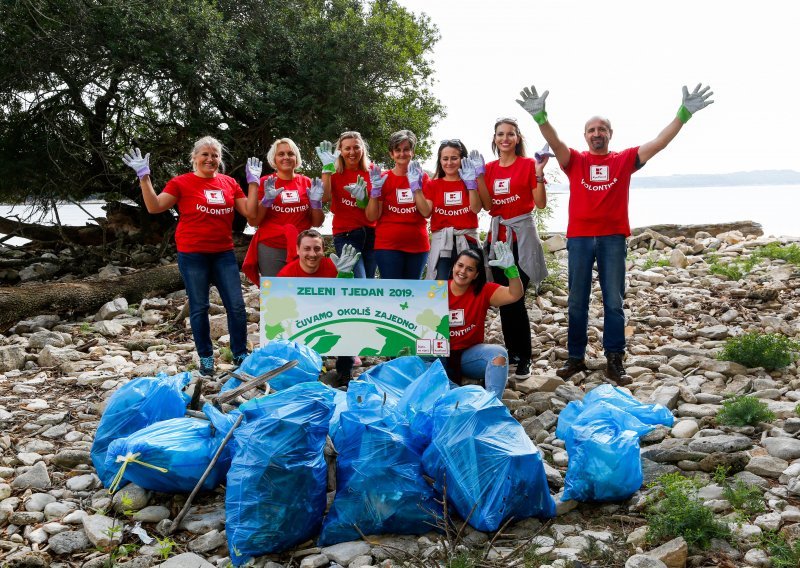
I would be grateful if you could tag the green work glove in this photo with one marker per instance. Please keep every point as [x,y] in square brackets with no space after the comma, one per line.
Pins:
[347,261]
[533,103]
[504,259]
[358,191]
[327,156]
[693,102]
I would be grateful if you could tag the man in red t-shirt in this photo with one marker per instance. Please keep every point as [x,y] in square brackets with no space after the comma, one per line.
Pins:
[598,222]
[312,263]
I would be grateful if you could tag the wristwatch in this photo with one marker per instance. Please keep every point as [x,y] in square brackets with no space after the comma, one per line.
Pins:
[540,179]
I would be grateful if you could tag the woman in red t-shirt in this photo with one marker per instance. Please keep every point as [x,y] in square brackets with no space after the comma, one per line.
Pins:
[454,202]
[469,299]
[280,205]
[345,179]
[510,188]
[397,204]
[206,200]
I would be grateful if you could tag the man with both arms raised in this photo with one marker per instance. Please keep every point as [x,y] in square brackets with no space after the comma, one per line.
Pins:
[598,222]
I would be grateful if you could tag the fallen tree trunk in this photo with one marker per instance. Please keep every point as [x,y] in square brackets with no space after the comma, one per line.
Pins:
[62,298]
[672,231]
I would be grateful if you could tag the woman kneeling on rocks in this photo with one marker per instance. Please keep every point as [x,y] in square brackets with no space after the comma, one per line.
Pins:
[470,298]
[206,199]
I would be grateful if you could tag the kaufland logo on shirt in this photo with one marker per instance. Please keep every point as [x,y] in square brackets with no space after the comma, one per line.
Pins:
[502,186]
[405,196]
[456,318]
[452,198]
[598,173]
[290,196]
[214,196]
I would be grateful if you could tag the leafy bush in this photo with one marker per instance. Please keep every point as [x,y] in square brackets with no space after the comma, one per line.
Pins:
[783,553]
[733,269]
[754,349]
[789,253]
[675,510]
[744,411]
[745,499]
[226,354]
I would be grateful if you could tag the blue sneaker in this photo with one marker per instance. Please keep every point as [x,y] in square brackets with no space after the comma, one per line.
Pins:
[239,359]
[207,366]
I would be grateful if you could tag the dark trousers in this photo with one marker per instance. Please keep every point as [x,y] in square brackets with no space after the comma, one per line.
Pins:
[514,317]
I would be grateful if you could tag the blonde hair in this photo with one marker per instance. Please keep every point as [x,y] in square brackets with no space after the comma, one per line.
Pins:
[352,134]
[202,143]
[274,149]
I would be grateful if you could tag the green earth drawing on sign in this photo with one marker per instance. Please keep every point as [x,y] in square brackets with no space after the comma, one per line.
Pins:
[392,340]
[275,312]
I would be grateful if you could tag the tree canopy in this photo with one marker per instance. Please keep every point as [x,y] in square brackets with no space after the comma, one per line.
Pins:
[83,80]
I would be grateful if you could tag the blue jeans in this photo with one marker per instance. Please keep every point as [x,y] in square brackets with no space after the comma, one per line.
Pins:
[610,252]
[477,363]
[401,265]
[363,240]
[199,271]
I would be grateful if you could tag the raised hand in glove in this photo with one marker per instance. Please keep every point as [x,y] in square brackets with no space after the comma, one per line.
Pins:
[504,259]
[414,176]
[533,103]
[358,191]
[468,173]
[697,100]
[270,193]
[377,179]
[345,263]
[327,156]
[315,193]
[480,164]
[253,170]
[141,165]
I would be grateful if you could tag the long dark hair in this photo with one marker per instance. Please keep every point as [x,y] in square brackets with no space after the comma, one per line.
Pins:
[454,143]
[477,256]
[519,148]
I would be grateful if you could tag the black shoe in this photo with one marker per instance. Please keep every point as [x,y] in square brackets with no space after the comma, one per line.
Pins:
[207,366]
[523,369]
[571,367]
[615,371]
[513,359]
[239,359]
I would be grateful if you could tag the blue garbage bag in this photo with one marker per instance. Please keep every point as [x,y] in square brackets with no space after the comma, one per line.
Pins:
[380,488]
[603,448]
[137,404]
[488,465]
[276,487]
[419,398]
[359,393]
[171,456]
[278,352]
[622,399]
[394,376]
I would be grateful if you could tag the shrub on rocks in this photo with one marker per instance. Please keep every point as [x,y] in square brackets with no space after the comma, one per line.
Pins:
[744,411]
[783,553]
[754,349]
[675,510]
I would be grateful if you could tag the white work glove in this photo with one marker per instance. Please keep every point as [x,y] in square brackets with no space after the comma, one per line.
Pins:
[327,156]
[504,259]
[315,193]
[345,263]
[377,179]
[544,153]
[141,165]
[253,170]
[270,192]
[480,164]
[414,176]
[358,191]
[468,173]
[693,102]
[533,103]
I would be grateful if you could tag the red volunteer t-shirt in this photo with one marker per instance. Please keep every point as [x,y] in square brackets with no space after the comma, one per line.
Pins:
[450,205]
[206,207]
[598,192]
[347,215]
[326,270]
[468,316]
[511,189]
[401,227]
[291,207]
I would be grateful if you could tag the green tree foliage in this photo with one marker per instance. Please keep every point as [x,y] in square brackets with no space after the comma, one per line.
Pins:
[83,80]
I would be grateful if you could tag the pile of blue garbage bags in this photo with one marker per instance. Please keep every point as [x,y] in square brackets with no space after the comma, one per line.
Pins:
[401,425]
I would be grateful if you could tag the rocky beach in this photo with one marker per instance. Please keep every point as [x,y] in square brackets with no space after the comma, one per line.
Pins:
[57,373]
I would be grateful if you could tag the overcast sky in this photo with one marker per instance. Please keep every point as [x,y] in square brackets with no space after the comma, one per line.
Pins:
[627,60]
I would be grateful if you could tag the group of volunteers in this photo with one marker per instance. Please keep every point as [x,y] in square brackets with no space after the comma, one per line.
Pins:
[380,223]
